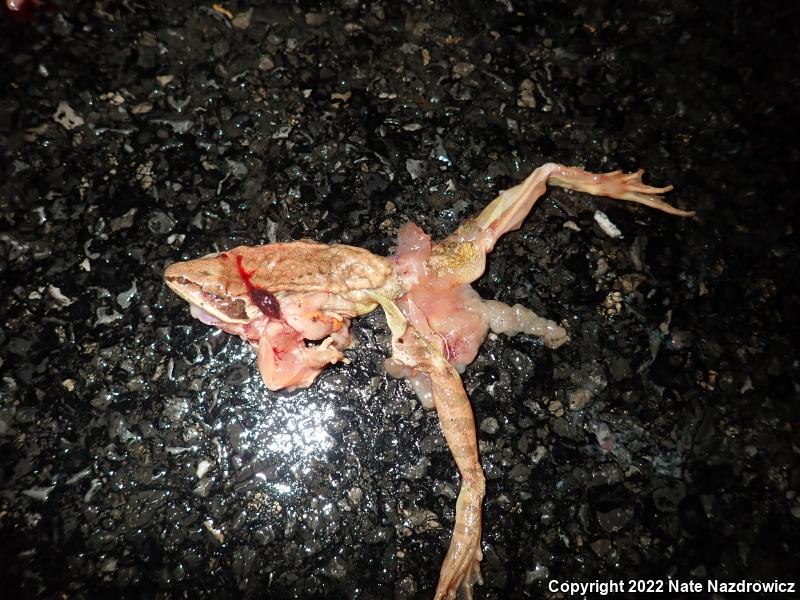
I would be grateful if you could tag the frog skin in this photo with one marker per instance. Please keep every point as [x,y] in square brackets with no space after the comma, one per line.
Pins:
[277,296]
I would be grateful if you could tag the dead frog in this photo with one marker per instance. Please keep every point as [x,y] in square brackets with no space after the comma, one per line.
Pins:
[279,295]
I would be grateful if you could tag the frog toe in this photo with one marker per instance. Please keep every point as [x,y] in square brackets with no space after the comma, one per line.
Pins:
[618,185]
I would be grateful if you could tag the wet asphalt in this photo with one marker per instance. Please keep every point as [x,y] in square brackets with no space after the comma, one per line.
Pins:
[142,456]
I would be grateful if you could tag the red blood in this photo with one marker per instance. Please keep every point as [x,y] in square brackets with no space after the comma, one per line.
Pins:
[263,299]
[21,11]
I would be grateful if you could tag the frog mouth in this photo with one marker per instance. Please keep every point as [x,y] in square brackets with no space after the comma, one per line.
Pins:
[211,308]
[203,316]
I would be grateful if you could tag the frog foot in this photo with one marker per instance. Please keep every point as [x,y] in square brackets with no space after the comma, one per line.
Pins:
[615,184]
[461,568]
[462,580]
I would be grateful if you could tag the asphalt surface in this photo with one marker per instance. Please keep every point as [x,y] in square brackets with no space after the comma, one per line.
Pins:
[142,456]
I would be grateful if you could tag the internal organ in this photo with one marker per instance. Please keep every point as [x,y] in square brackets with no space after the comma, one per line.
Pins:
[452,310]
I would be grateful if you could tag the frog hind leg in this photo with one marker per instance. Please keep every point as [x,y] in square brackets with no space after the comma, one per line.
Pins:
[461,567]
[507,212]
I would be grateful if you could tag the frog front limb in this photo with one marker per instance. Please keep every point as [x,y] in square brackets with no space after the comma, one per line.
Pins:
[286,363]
